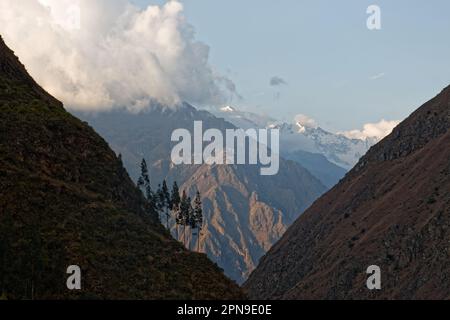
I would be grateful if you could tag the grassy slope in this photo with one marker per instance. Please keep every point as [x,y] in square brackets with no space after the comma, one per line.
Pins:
[66,199]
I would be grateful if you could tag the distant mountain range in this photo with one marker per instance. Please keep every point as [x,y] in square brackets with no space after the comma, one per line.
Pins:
[245,212]
[392,210]
[298,136]
[338,149]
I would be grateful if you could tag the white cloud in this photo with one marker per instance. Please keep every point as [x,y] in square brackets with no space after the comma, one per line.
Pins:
[305,121]
[65,13]
[102,54]
[377,76]
[376,131]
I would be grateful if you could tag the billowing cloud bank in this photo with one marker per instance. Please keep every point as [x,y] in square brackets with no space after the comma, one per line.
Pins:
[372,130]
[101,54]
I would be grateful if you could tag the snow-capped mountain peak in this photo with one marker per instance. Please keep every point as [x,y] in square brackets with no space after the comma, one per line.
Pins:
[227,109]
[243,119]
[338,149]
[304,134]
[301,128]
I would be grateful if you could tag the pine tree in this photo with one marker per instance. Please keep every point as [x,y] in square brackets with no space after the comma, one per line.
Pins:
[167,201]
[146,179]
[197,219]
[175,202]
[159,202]
[183,214]
[140,182]
[144,183]
[188,218]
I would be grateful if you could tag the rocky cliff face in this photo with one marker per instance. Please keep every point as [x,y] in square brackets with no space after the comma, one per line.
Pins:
[392,210]
[245,213]
[65,199]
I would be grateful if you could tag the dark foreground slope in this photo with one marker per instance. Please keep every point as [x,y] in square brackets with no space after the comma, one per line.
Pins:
[392,210]
[65,199]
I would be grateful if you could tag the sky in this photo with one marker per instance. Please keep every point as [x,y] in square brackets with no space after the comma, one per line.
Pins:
[281,58]
[337,71]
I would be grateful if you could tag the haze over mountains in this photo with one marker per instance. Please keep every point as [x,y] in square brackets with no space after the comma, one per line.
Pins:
[392,210]
[65,199]
[245,213]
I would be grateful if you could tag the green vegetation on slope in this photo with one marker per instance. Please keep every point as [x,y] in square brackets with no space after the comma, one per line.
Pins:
[65,199]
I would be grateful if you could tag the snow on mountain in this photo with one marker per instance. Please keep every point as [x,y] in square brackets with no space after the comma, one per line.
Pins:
[304,135]
[337,148]
[228,109]
[244,120]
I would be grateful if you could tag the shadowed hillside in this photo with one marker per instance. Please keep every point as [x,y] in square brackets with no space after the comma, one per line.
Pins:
[392,210]
[65,199]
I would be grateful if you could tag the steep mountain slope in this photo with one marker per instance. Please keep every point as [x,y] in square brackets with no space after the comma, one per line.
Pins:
[245,212]
[65,199]
[327,172]
[392,210]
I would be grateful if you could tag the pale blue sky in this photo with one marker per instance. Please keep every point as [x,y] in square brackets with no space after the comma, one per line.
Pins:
[327,55]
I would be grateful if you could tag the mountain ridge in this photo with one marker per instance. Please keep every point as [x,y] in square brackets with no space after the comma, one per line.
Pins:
[391,210]
[67,200]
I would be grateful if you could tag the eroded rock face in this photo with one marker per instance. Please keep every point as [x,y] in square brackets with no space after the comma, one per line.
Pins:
[246,213]
[391,210]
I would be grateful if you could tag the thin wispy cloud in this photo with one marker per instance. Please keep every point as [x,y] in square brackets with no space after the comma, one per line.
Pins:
[276,81]
[377,76]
